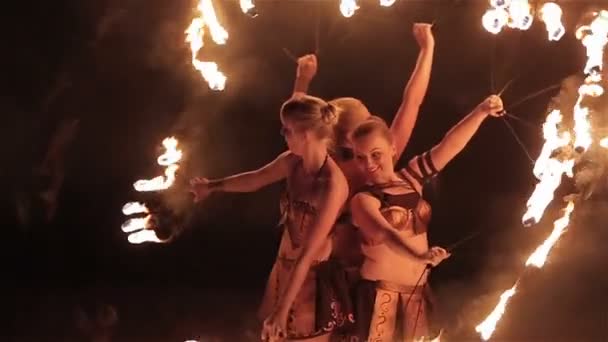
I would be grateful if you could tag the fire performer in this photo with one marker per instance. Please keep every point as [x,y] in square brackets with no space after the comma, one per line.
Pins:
[296,304]
[393,302]
[353,112]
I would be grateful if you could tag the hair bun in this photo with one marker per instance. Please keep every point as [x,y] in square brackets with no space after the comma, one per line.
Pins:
[329,114]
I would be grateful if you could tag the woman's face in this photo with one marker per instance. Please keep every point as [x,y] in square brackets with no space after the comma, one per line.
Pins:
[295,137]
[374,157]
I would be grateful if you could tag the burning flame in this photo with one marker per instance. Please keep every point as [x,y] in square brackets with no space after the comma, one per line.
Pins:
[551,15]
[486,328]
[539,256]
[604,142]
[134,208]
[140,227]
[500,3]
[536,259]
[520,14]
[348,7]
[495,19]
[135,223]
[194,36]
[594,37]
[169,159]
[547,169]
[142,236]
[247,6]
[387,3]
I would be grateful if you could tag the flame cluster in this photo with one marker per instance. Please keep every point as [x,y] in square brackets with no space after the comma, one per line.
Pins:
[194,35]
[558,156]
[349,7]
[140,229]
[517,14]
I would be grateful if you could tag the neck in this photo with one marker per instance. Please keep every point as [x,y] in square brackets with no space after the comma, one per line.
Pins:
[313,159]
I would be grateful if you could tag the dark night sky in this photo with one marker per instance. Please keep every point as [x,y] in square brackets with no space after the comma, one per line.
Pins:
[133,85]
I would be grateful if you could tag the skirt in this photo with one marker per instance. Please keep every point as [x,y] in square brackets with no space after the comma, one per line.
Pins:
[389,312]
[323,304]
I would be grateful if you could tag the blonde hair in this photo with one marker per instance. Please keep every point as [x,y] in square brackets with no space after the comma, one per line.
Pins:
[352,113]
[311,113]
[374,124]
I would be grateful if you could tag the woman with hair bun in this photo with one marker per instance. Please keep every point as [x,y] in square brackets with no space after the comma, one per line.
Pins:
[296,305]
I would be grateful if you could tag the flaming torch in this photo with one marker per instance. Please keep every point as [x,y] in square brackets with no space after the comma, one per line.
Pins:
[143,228]
[194,35]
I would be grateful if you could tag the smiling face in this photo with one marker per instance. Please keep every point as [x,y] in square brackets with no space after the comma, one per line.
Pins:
[374,155]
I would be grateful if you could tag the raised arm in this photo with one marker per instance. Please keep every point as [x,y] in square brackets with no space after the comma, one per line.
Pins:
[247,181]
[307,69]
[457,137]
[332,202]
[367,217]
[415,90]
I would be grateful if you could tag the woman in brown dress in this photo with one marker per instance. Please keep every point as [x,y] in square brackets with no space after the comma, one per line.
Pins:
[293,305]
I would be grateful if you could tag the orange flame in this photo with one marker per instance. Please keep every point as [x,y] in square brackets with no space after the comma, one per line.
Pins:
[139,227]
[169,159]
[547,169]
[486,328]
[539,256]
[194,35]
[536,259]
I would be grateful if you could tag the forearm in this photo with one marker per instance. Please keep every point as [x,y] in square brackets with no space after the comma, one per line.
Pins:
[243,182]
[296,279]
[416,87]
[403,247]
[301,85]
[413,95]
[459,136]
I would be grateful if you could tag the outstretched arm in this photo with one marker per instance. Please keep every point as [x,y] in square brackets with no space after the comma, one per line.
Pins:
[457,138]
[415,90]
[307,69]
[247,181]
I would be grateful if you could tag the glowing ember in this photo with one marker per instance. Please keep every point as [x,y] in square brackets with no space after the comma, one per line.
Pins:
[539,256]
[134,208]
[486,328]
[348,7]
[551,15]
[387,3]
[142,236]
[194,36]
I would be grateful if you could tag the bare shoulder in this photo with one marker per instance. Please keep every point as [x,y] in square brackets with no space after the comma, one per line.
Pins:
[288,159]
